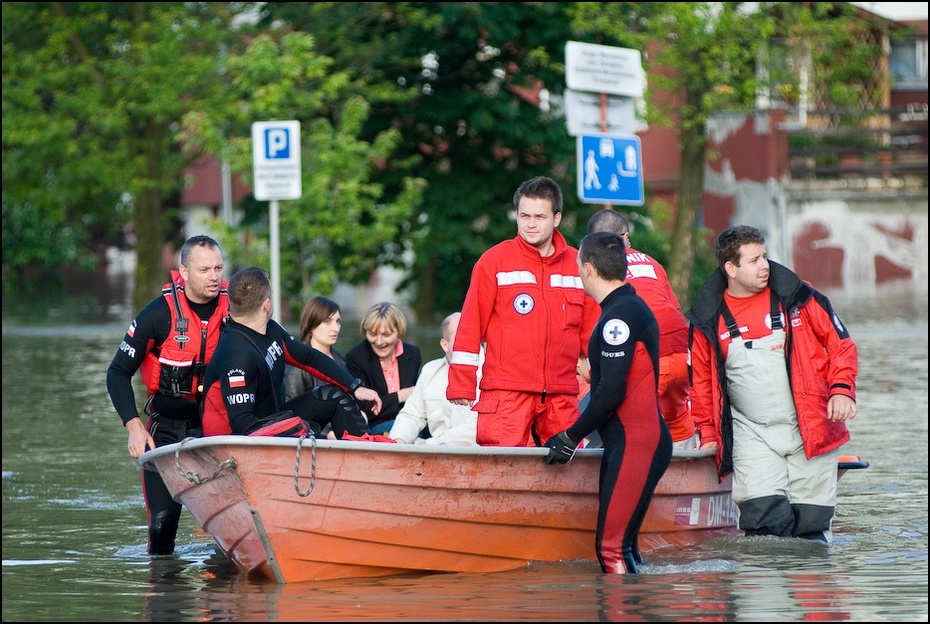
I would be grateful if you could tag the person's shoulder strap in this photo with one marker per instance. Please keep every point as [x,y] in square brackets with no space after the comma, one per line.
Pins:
[775,314]
[732,327]
[181,322]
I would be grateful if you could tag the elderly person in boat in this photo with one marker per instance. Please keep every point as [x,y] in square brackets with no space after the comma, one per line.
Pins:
[428,417]
[385,362]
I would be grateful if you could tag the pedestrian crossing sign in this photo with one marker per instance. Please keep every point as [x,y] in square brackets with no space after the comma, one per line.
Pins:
[610,169]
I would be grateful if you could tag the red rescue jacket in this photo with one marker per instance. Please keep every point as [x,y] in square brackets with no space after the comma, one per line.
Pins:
[821,358]
[176,367]
[532,314]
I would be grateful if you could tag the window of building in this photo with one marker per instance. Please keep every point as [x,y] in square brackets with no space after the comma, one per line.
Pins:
[908,64]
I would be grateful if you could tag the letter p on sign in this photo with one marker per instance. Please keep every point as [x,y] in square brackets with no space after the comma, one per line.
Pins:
[277,145]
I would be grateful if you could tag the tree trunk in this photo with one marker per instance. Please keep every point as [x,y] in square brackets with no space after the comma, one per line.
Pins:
[151,274]
[425,303]
[693,147]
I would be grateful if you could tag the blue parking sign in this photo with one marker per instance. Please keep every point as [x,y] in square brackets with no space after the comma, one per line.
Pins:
[276,160]
[610,169]
[277,143]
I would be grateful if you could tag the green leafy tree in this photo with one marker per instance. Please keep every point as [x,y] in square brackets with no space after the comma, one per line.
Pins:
[93,99]
[342,228]
[418,122]
[106,105]
[474,88]
[468,87]
[704,57]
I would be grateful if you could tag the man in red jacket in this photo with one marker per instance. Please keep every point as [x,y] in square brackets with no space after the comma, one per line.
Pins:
[650,281]
[774,382]
[527,305]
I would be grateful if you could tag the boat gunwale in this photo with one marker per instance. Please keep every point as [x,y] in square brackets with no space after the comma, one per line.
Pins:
[357,445]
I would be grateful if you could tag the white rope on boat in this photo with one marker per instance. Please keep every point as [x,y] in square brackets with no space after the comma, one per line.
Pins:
[300,442]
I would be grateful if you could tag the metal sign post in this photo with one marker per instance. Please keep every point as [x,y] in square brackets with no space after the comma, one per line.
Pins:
[584,113]
[276,172]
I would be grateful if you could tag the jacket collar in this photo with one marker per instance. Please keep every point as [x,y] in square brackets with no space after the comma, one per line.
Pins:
[790,289]
[558,242]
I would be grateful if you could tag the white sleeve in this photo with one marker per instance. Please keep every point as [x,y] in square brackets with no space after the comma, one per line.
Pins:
[412,416]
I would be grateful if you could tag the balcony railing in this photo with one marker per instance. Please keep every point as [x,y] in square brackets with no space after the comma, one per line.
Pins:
[889,143]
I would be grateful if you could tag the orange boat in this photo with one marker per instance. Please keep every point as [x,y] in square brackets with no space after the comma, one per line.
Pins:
[295,509]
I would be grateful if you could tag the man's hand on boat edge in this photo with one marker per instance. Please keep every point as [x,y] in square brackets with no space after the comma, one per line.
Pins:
[561,448]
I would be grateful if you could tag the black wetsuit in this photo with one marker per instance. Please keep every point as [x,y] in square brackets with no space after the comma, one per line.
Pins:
[623,408]
[245,383]
[171,419]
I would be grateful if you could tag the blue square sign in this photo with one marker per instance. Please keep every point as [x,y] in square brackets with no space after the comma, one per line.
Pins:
[277,143]
[610,169]
[276,160]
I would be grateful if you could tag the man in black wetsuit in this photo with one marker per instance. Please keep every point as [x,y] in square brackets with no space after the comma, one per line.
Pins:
[623,408]
[171,340]
[245,379]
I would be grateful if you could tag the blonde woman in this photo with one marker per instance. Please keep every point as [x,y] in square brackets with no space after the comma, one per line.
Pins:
[385,362]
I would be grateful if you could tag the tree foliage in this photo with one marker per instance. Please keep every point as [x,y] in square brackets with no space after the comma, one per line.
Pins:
[418,121]
[475,89]
[105,105]
[342,228]
[93,97]
[467,86]
[703,55]
[703,58]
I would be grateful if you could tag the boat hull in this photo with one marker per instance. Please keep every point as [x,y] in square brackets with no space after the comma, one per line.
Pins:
[376,509]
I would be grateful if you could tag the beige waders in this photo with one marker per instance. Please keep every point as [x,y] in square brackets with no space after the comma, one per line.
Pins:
[777,489]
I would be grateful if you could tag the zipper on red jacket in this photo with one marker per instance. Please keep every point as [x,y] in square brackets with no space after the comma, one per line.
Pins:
[204,325]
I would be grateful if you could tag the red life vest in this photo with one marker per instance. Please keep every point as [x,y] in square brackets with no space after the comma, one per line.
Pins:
[176,367]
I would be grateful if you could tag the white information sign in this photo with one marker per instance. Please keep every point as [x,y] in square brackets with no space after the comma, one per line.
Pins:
[604,69]
[583,114]
[276,160]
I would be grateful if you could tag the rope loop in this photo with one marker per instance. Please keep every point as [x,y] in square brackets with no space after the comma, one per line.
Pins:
[300,442]
[193,477]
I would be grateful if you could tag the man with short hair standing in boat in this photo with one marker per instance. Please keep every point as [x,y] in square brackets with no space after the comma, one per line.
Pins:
[624,354]
[526,305]
[171,340]
[774,382]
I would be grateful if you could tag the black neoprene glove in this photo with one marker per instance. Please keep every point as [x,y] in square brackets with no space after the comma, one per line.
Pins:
[561,448]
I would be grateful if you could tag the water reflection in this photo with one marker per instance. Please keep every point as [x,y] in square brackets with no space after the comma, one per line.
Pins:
[178,585]
[761,579]
[550,592]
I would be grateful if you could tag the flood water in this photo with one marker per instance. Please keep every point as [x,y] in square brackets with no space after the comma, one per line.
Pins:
[74,531]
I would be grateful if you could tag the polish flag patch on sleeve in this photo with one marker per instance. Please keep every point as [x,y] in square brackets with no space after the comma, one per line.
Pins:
[236,379]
